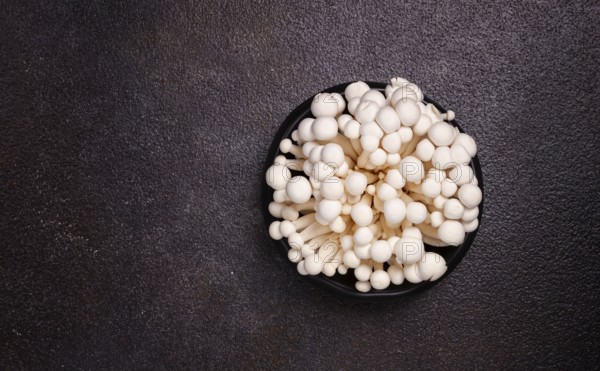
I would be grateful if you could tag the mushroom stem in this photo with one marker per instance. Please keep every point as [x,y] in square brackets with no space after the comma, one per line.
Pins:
[307,206]
[434,242]
[410,147]
[378,204]
[304,221]
[428,231]
[363,159]
[404,197]
[314,230]
[356,146]
[418,196]
[366,199]
[389,231]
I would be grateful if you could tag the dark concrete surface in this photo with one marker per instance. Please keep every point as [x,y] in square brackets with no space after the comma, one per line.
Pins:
[132,139]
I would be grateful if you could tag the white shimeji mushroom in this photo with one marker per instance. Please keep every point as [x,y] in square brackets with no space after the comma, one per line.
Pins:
[379,183]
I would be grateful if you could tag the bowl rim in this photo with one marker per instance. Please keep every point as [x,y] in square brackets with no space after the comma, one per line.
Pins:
[393,293]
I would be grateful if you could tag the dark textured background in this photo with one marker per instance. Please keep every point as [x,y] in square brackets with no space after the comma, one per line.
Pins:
[132,143]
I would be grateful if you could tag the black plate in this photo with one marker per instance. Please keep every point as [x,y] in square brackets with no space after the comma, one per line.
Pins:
[344,284]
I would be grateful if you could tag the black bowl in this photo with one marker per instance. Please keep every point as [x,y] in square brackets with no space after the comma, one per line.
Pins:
[344,284]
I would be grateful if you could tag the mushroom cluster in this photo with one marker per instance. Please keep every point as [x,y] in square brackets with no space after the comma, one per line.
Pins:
[367,189]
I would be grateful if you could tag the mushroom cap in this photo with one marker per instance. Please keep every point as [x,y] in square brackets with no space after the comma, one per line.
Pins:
[366,111]
[405,92]
[394,211]
[294,255]
[324,128]
[274,230]
[388,119]
[461,174]
[460,155]
[363,286]
[363,236]
[442,158]
[374,96]
[410,273]
[466,141]
[352,129]
[471,226]
[393,159]
[350,259]
[412,169]
[409,250]
[423,125]
[412,232]
[406,134]
[396,274]
[363,272]
[386,192]
[324,104]
[353,104]
[338,225]
[362,214]
[363,252]
[300,268]
[341,102]
[298,189]
[470,214]
[449,188]
[470,195]
[395,178]
[333,153]
[305,129]
[431,267]
[431,188]
[437,218]
[441,134]
[343,120]
[369,143]
[416,212]
[315,153]
[313,264]
[381,251]
[380,279]
[322,171]
[451,232]
[356,90]
[332,188]
[424,150]
[371,128]
[295,240]
[378,157]
[356,183]
[287,228]
[329,210]
[278,176]
[453,209]
[391,142]
[409,112]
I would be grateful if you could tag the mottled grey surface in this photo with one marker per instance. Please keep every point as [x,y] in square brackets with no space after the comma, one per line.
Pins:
[132,141]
